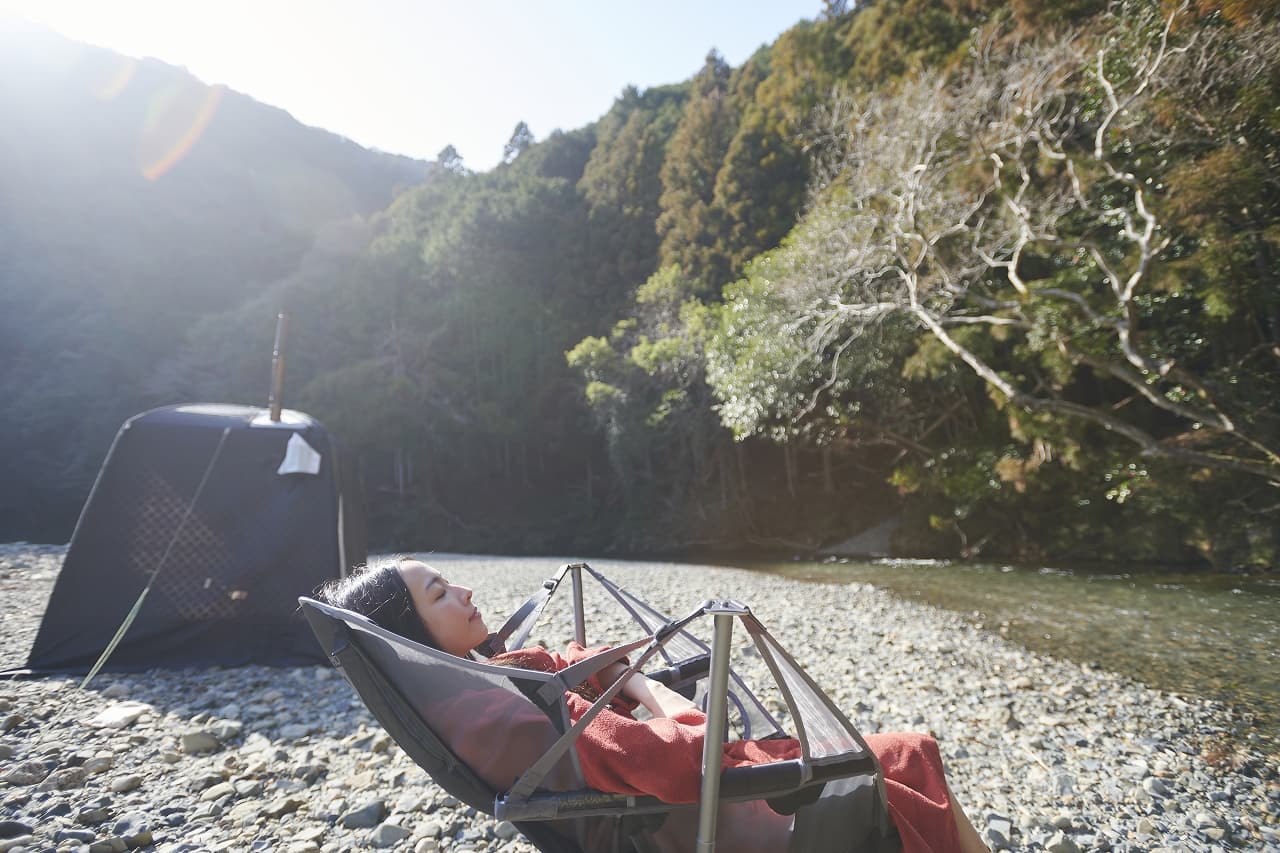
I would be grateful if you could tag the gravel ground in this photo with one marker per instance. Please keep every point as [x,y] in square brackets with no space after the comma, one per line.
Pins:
[1043,754]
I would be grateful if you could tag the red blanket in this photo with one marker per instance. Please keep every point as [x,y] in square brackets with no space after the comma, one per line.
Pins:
[662,757]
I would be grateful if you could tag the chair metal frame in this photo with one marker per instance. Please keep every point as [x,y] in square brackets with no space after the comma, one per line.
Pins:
[791,783]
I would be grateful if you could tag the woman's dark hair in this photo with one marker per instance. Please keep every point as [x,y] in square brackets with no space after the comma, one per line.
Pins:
[379,592]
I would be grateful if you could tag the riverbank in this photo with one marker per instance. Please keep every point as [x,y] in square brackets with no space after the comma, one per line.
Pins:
[1199,634]
[1042,753]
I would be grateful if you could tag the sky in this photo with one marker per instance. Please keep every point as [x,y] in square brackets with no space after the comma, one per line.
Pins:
[412,76]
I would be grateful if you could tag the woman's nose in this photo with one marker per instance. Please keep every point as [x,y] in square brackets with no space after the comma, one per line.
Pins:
[466,594]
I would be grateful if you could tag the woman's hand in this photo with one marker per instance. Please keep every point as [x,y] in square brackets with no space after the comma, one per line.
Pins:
[655,697]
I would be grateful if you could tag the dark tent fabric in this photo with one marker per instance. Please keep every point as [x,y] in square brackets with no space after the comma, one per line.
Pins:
[230,566]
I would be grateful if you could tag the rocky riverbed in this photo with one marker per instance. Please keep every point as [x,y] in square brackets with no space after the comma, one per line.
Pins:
[1043,754]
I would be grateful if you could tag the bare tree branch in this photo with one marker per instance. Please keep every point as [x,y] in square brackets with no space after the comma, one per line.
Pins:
[944,202]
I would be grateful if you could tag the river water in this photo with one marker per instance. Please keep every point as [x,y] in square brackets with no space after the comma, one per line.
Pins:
[1204,635]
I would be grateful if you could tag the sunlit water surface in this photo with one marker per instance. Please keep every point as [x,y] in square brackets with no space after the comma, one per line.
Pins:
[1206,635]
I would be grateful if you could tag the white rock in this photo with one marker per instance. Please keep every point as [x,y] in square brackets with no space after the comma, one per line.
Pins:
[1060,843]
[124,784]
[119,715]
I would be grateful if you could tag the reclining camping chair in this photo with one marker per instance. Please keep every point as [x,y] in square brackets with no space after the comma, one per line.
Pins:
[499,738]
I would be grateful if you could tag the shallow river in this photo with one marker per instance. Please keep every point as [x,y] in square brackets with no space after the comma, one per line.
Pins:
[1207,635]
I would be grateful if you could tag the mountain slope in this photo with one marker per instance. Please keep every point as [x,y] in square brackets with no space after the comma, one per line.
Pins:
[135,199]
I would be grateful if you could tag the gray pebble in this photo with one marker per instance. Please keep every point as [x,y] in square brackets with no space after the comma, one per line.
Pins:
[92,815]
[197,742]
[1057,753]
[1155,787]
[124,784]
[26,773]
[217,792]
[130,825]
[84,835]
[365,816]
[999,831]
[1060,843]
[14,829]
[387,835]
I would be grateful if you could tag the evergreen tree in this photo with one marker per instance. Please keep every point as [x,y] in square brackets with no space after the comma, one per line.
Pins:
[690,224]
[621,182]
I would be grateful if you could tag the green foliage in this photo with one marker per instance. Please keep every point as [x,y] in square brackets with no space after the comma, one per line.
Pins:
[759,368]
[602,395]
[788,330]
[621,183]
[892,38]
[689,223]
[521,139]
[592,355]
[633,335]
[761,182]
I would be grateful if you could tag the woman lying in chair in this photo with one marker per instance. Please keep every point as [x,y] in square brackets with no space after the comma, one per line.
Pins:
[660,756]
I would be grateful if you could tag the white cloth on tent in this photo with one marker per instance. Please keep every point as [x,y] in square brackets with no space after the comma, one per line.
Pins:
[299,457]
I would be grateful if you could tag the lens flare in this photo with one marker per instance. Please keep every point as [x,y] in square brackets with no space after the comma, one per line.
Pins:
[115,77]
[178,116]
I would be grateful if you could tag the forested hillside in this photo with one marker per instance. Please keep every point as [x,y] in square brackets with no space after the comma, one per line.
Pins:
[134,201]
[1003,275]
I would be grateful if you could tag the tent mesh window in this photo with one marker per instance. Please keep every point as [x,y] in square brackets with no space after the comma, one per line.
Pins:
[197,563]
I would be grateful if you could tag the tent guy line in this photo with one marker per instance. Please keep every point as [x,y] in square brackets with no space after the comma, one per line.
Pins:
[137,605]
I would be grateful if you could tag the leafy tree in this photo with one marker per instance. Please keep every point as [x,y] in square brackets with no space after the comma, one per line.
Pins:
[450,160]
[1021,296]
[681,475]
[1025,239]
[834,8]
[521,139]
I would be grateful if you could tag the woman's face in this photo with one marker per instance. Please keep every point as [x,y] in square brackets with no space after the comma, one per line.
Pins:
[446,610]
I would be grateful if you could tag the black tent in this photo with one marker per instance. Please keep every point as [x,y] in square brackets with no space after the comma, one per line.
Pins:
[223,517]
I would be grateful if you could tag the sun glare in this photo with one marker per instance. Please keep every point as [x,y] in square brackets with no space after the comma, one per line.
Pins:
[176,119]
[178,113]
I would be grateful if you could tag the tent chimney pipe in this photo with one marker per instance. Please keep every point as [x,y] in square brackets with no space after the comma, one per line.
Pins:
[277,366]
